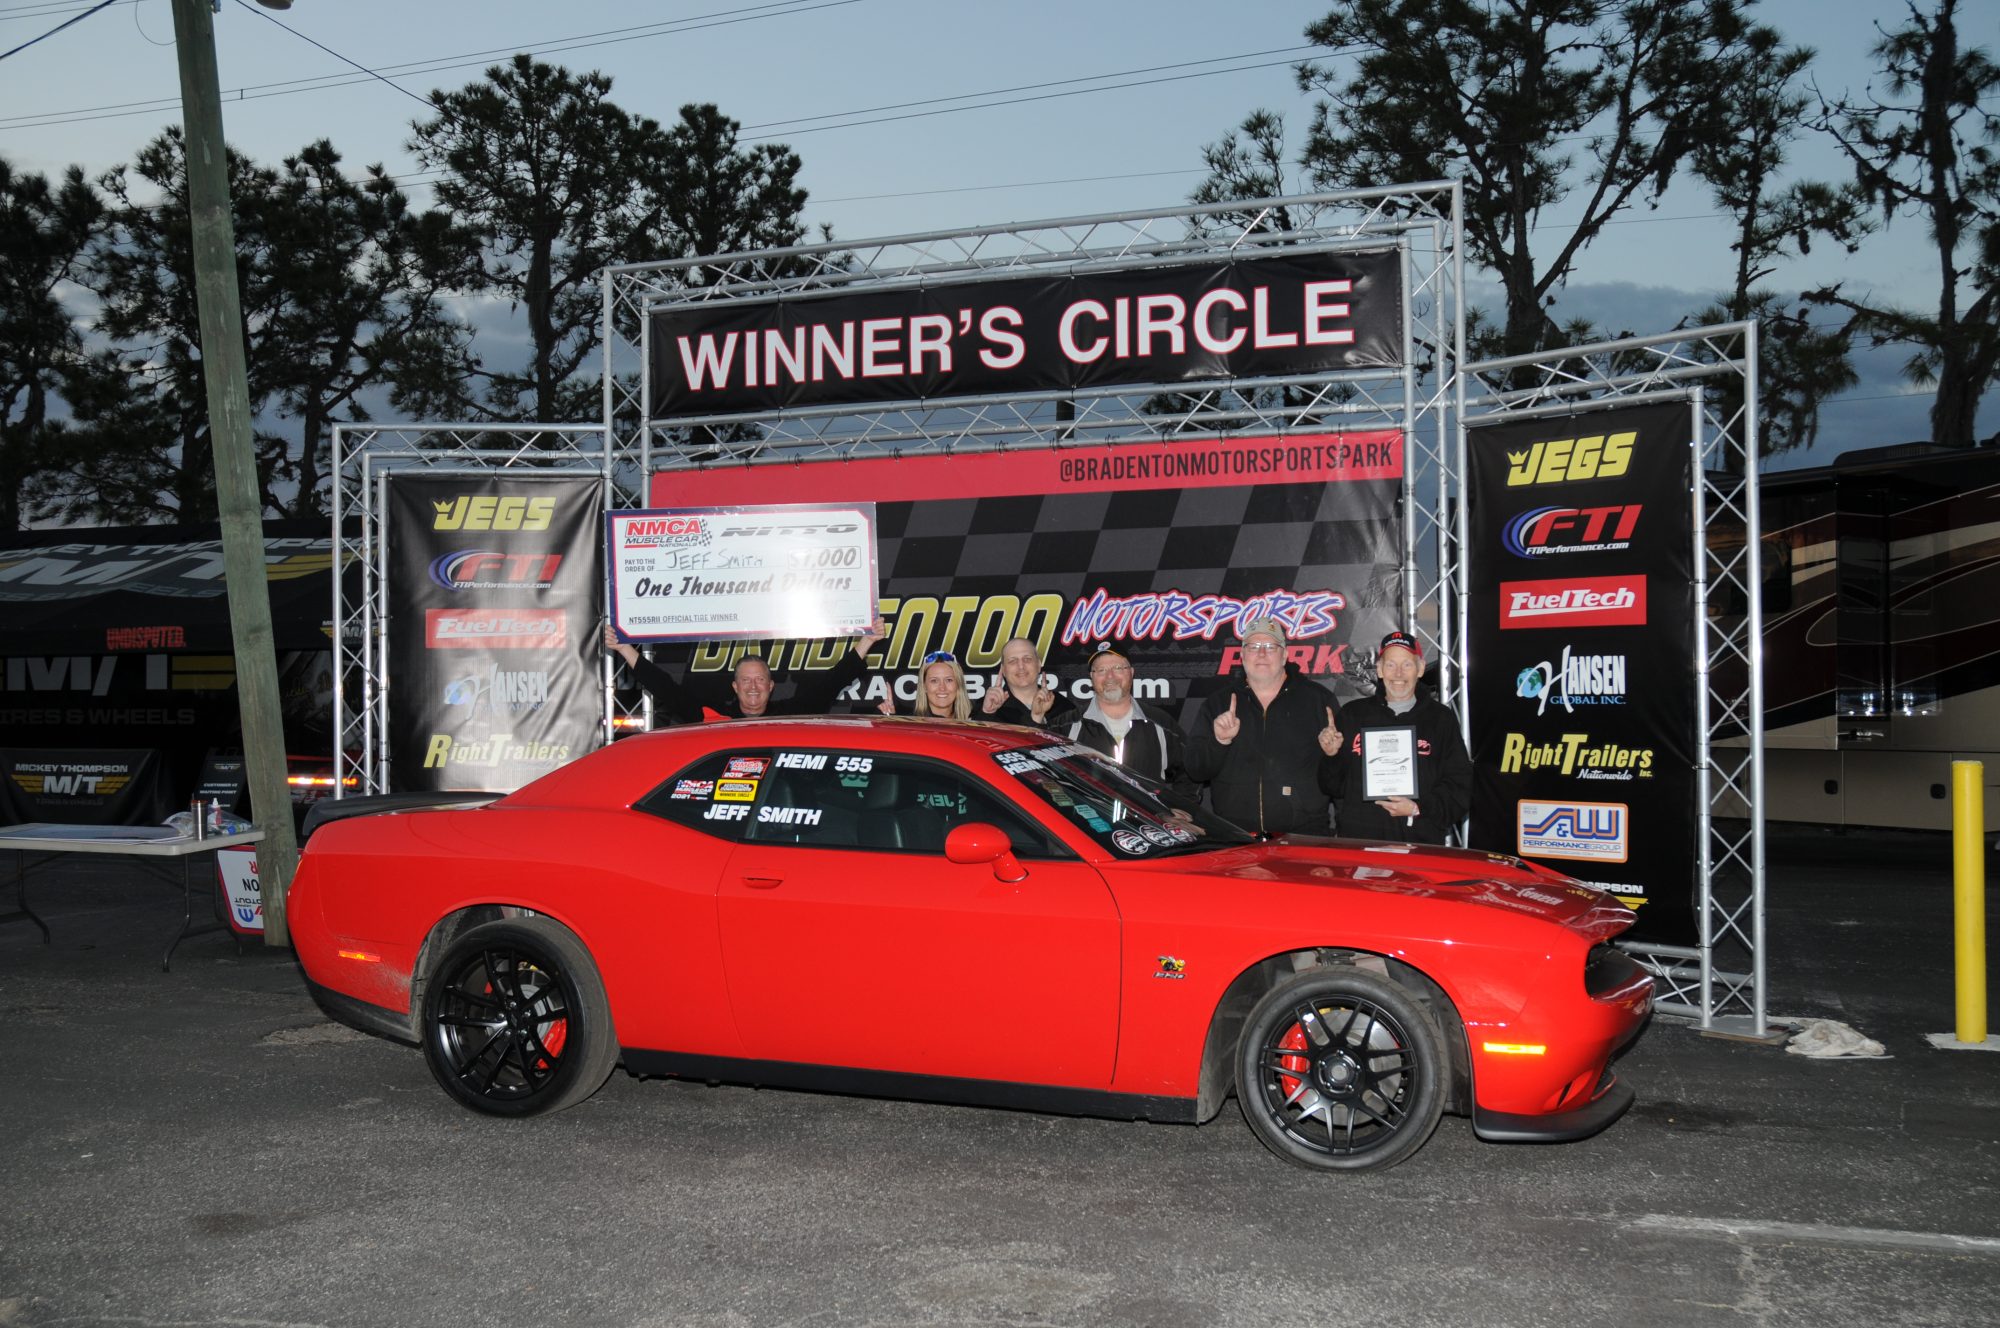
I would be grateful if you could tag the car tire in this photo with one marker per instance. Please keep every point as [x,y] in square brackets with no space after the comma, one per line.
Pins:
[1341,1070]
[516,1021]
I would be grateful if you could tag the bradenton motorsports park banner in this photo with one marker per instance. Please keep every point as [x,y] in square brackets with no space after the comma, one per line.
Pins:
[493,628]
[1580,647]
[1200,320]
[1161,548]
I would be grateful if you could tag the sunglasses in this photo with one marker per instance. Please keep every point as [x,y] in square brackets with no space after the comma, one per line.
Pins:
[940,657]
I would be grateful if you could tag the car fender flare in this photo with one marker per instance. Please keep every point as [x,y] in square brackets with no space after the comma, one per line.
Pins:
[1225,1026]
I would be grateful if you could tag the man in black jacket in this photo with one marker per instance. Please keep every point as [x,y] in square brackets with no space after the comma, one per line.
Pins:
[749,685]
[1124,728]
[1255,743]
[1444,771]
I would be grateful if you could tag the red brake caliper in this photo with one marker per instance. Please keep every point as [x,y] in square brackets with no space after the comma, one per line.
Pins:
[1293,1040]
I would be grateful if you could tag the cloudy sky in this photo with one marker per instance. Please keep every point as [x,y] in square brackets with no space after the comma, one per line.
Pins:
[910,115]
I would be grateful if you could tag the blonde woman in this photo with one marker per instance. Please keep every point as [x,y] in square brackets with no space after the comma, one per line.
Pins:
[940,691]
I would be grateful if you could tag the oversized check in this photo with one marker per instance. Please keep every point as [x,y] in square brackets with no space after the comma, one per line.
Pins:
[707,573]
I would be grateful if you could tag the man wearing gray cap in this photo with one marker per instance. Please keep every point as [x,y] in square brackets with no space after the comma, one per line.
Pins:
[1124,728]
[1256,742]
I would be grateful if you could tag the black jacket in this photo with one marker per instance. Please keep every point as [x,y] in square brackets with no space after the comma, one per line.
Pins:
[813,694]
[1153,745]
[1268,778]
[1444,772]
[1011,711]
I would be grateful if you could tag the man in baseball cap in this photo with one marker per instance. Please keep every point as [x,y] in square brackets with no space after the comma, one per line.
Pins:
[1124,728]
[1443,770]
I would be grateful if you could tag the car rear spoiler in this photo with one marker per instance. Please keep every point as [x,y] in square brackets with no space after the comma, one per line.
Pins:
[339,809]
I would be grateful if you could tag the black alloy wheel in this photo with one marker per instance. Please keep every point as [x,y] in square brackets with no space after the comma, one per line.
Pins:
[516,1021]
[1340,1069]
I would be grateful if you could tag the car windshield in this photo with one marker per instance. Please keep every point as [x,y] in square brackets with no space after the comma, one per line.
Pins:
[1126,813]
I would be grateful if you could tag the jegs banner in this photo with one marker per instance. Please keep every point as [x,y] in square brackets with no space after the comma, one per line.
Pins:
[689,574]
[1161,548]
[1581,685]
[1254,317]
[493,628]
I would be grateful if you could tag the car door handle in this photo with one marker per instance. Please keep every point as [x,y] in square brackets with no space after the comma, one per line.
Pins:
[763,882]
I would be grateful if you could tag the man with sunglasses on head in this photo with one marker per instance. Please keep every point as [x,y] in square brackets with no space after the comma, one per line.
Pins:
[1125,728]
[1256,741]
[750,684]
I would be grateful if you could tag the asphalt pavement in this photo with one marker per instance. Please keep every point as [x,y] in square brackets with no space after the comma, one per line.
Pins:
[202,1147]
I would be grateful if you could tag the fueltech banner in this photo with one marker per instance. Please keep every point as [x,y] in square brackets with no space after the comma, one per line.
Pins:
[1581,686]
[1160,548]
[493,623]
[1256,317]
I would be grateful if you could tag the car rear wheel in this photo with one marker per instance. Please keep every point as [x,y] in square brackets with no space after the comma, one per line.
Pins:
[515,1020]
[1341,1070]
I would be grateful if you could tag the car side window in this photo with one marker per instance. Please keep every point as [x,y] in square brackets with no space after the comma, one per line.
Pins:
[715,795]
[867,800]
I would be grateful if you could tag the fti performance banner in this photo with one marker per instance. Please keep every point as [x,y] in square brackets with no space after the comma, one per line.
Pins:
[493,628]
[1160,548]
[1257,316]
[1581,685]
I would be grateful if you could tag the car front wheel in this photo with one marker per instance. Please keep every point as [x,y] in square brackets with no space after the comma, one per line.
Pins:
[515,1020]
[1341,1070]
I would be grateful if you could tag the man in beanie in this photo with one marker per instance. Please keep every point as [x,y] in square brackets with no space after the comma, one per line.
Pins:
[1444,771]
[1255,742]
[1124,728]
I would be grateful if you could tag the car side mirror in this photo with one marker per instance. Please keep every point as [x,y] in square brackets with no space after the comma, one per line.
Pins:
[976,842]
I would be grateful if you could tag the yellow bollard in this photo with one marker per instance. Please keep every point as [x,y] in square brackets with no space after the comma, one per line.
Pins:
[1968,851]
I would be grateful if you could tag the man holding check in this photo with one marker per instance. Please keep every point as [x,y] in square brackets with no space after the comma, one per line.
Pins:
[1395,765]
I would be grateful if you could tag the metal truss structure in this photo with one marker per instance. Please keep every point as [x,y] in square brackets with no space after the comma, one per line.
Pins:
[1422,223]
[1720,981]
[365,459]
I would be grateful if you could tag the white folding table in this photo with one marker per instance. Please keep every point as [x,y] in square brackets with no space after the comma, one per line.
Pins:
[140,841]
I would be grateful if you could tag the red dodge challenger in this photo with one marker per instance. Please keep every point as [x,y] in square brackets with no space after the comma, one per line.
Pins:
[965,913]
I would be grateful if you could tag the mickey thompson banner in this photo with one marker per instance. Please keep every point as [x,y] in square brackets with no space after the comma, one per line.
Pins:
[1580,644]
[493,621]
[1162,548]
[1206,320]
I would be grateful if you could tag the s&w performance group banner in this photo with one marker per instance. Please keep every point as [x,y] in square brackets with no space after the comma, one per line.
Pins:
[1159,548]
[1203,320]
[494,654]
[1581,643]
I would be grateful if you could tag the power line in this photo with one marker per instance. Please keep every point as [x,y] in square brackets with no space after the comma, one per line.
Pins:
[57,28]
[438,64]
[265,13]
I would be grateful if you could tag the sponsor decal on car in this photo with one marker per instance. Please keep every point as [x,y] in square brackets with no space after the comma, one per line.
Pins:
[1542,531]
[1591,601]
[749,767]
[1566,460]
[1584,831]
[694,788]
[496,629]
[1575,756]
[1130,842]
[1573,680]
[494,569]
[736,790]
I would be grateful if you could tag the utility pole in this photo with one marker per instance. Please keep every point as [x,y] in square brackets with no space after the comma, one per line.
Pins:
[235,462]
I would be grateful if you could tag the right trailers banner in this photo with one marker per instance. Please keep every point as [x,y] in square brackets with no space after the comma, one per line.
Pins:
[1580,674]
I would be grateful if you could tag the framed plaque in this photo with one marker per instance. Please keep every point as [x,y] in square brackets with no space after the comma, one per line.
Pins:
[1388,763]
